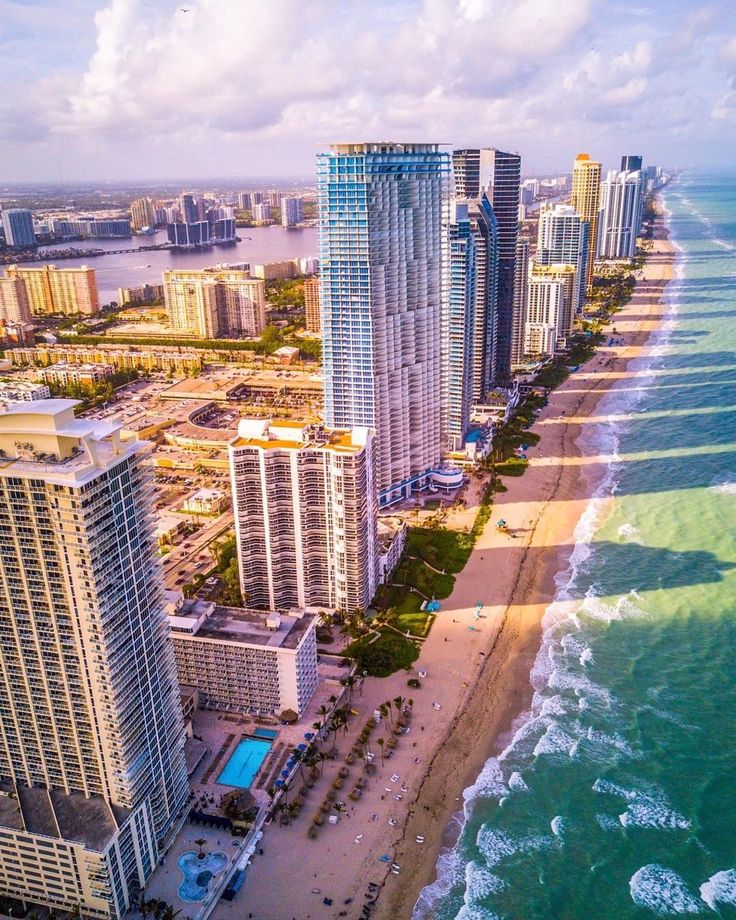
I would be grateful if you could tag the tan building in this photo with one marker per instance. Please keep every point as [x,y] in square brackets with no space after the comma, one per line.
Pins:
[244,660]
[215,302]
[14,304]
[586,196]
[123,359]
[142,214]
[311,304]
[92,752]
[83,375]
[305,515]
[52,290]
[550,308]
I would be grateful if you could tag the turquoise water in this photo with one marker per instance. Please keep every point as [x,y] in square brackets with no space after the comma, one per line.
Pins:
[244,762]
[615,799]
[265,733]
[198,873]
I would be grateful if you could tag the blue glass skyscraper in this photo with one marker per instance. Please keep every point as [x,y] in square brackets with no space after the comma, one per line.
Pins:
[381,287]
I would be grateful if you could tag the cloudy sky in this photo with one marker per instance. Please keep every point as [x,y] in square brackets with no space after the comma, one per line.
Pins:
[143,89]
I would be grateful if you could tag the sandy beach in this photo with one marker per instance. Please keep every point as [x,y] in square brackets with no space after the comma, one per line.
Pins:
[477,670]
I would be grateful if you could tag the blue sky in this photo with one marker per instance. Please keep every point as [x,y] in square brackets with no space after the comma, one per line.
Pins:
[141,89]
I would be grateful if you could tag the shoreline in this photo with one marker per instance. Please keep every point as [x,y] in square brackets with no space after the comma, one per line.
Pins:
[517,646]
[478,670]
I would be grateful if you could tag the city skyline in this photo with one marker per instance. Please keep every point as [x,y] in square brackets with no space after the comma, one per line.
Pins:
[75,109]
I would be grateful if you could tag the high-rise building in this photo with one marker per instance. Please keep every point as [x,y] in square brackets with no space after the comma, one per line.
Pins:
[92,755]
[305,515]
[485,317]
[631,163]
[245,201]
[52,290]
[521,291]
[142,214]
[381,285]
[549,313]
[188,209]
[256,198]
[620,215]
[261,213]
[14,304]
[562,238]
[586,191]
[186,236]
[211,302]
[458,326]
[18,228]
[498,174]
[311,304]
[291,211]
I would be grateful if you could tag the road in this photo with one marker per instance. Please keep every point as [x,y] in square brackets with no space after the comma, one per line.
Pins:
[180,566]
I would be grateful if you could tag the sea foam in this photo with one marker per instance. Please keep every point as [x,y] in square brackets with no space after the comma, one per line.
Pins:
[662,891]
[719,889]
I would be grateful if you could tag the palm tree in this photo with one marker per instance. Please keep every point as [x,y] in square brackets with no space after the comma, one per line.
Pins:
[380,742]
[349,683]
[339,808]
[398,703]
[385,711]
[200,842]
[299,756]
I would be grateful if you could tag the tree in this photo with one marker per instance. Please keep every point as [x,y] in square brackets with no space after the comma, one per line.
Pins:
[381,742]
[200,842]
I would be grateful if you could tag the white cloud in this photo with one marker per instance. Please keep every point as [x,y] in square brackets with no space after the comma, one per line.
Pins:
[237,83]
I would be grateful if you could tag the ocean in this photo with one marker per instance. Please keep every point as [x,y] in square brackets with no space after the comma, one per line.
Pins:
[615,799]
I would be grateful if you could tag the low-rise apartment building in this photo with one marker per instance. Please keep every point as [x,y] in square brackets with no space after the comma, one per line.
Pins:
[244,660]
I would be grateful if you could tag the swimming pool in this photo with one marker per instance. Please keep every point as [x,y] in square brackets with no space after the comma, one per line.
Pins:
[265,733]
[198,873]
[244,762]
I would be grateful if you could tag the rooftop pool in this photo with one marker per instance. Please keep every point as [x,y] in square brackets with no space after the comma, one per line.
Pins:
[244,762]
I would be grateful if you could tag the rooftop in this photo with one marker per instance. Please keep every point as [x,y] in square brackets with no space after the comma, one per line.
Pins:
[43,438]
[297,435]
[51,813]
[235,624]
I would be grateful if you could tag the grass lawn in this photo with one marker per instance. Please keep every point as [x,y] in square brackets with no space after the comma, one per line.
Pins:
[389,653]
[514,466]
[444,549]
[418,623]
[413,571]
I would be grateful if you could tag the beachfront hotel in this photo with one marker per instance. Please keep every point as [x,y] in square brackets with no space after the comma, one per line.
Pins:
[458,324]
[521,291]
[244,660]
[209,302]
[485,315]
[52,290]
[549,308]
[620,215]
[585,199]
[563,239]
[382,207]
[497,174]
[304,499]
[93,781]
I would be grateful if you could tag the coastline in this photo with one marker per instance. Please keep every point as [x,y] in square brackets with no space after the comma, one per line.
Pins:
[503,692]
[478,671]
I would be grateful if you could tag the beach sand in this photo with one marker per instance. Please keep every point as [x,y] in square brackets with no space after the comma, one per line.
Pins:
[480,677]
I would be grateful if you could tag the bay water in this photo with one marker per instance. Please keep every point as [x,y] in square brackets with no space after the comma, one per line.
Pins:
[616,798]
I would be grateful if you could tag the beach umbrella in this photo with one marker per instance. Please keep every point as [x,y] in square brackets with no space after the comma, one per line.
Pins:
[279,783]
[301,747]
[284,772]
[309,735]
